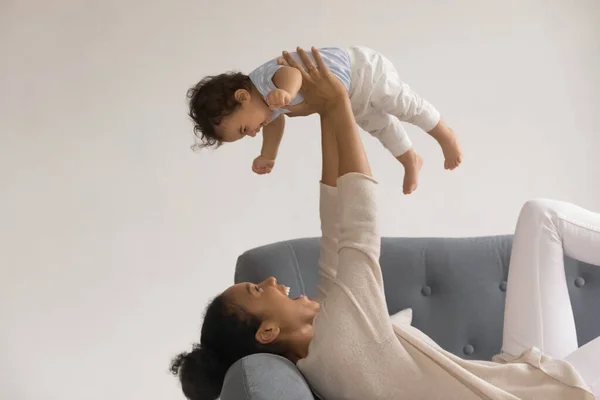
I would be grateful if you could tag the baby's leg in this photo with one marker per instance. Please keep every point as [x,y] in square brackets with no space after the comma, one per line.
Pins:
[388,130]
[391,95]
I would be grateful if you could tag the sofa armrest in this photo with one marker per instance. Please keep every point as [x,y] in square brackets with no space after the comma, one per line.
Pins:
[265,377]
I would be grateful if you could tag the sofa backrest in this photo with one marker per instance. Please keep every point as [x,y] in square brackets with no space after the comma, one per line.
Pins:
[455,286]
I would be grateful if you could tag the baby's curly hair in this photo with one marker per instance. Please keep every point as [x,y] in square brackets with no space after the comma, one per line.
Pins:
[210,101]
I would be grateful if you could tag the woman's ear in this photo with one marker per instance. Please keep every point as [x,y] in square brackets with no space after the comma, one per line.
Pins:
[241,95]
[267,333]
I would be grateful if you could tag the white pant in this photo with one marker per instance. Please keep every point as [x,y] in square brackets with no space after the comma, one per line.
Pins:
[380,100]
[538,309]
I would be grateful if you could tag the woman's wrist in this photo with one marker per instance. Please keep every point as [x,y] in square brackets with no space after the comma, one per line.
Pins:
[338,114]
[336,103]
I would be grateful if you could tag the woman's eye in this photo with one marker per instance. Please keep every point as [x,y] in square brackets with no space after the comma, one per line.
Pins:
[257,288]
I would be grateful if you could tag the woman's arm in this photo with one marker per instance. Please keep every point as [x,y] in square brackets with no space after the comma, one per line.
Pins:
[336,116]
[328,212]
[359,241]
[358,273]
[330,230]
[335,124]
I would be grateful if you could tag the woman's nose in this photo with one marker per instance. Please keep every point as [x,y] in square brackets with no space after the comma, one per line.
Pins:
[252,134]
[271,281]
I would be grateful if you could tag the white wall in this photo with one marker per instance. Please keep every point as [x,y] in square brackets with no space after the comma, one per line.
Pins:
[114,234]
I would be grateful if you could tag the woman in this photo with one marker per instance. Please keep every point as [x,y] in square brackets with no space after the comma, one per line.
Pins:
[344,343]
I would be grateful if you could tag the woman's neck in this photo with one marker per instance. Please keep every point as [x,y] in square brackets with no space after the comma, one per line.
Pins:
[299,343]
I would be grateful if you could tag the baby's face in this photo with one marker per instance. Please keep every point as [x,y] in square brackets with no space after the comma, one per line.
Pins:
[246,120]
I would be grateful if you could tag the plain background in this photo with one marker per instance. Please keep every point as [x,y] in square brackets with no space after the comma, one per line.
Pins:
[114,234]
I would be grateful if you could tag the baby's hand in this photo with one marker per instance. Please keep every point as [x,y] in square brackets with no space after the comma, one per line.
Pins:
[262,165]
[278,98]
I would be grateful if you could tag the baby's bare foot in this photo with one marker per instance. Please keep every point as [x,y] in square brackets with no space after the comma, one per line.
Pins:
[449,144]
[412,163]
[451,149]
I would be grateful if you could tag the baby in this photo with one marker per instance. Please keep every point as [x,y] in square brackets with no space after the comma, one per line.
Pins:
[231,106]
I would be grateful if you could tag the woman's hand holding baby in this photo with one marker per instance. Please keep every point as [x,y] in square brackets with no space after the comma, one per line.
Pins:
[320,88]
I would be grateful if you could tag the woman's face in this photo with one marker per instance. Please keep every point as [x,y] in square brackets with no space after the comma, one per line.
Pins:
[283,318]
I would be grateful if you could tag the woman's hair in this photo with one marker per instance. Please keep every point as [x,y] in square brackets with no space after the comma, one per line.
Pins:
[228,334]
[211,100]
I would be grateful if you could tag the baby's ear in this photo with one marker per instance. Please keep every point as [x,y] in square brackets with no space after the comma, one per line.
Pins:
[241,95]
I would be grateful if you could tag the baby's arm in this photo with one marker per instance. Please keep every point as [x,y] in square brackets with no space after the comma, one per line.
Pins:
[272,135]
[287,81]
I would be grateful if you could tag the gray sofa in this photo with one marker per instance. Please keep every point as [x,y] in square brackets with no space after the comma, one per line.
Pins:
[456,288]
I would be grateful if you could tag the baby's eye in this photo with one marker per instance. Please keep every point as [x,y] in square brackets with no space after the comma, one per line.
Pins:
[257,288]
